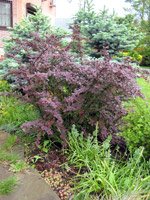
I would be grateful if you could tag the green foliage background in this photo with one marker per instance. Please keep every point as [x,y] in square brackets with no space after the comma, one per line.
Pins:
[137,123]
[103,29]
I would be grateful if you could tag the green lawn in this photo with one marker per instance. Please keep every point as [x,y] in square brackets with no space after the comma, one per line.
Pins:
[145,67]
[145,87]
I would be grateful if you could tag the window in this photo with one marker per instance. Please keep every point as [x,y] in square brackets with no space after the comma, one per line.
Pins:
[52,3]
[5,14]
[30,9]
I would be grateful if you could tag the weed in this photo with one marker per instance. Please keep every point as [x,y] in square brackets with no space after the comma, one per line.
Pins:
[18,166]
[7,185]
[35,159]
[45,146]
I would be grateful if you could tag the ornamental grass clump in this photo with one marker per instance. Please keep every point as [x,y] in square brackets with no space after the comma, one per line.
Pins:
[99,174]
[67,92]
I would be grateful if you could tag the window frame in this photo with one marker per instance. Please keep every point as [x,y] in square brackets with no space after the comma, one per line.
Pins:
[11,14]
[30,9]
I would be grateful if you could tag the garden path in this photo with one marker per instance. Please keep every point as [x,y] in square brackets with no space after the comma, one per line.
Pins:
[30,185]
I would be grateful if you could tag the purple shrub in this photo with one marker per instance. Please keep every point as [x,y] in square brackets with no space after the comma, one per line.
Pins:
[67,92]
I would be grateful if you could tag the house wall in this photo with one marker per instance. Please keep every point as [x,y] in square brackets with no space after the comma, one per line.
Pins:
[19,12]
[5,34]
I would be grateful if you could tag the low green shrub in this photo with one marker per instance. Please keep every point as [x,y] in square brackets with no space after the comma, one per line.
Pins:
[4,86]
[100,174]
[136,130]
[133,55]
[13,113]
[18,166]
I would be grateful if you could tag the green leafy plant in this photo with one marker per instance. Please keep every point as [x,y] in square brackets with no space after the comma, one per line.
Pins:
[100,174]
[36,158]
[133,55]
[7,185]
[18,166]
[136,130]
[14,113]
[45,146]
[4,86]
[142,11]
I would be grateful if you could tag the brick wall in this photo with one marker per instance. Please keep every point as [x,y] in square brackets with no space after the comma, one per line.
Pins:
[19,12]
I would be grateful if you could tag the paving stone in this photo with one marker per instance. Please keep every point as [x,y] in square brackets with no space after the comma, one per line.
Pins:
[4,172]
[3,137]
[30,184]
[31,187]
